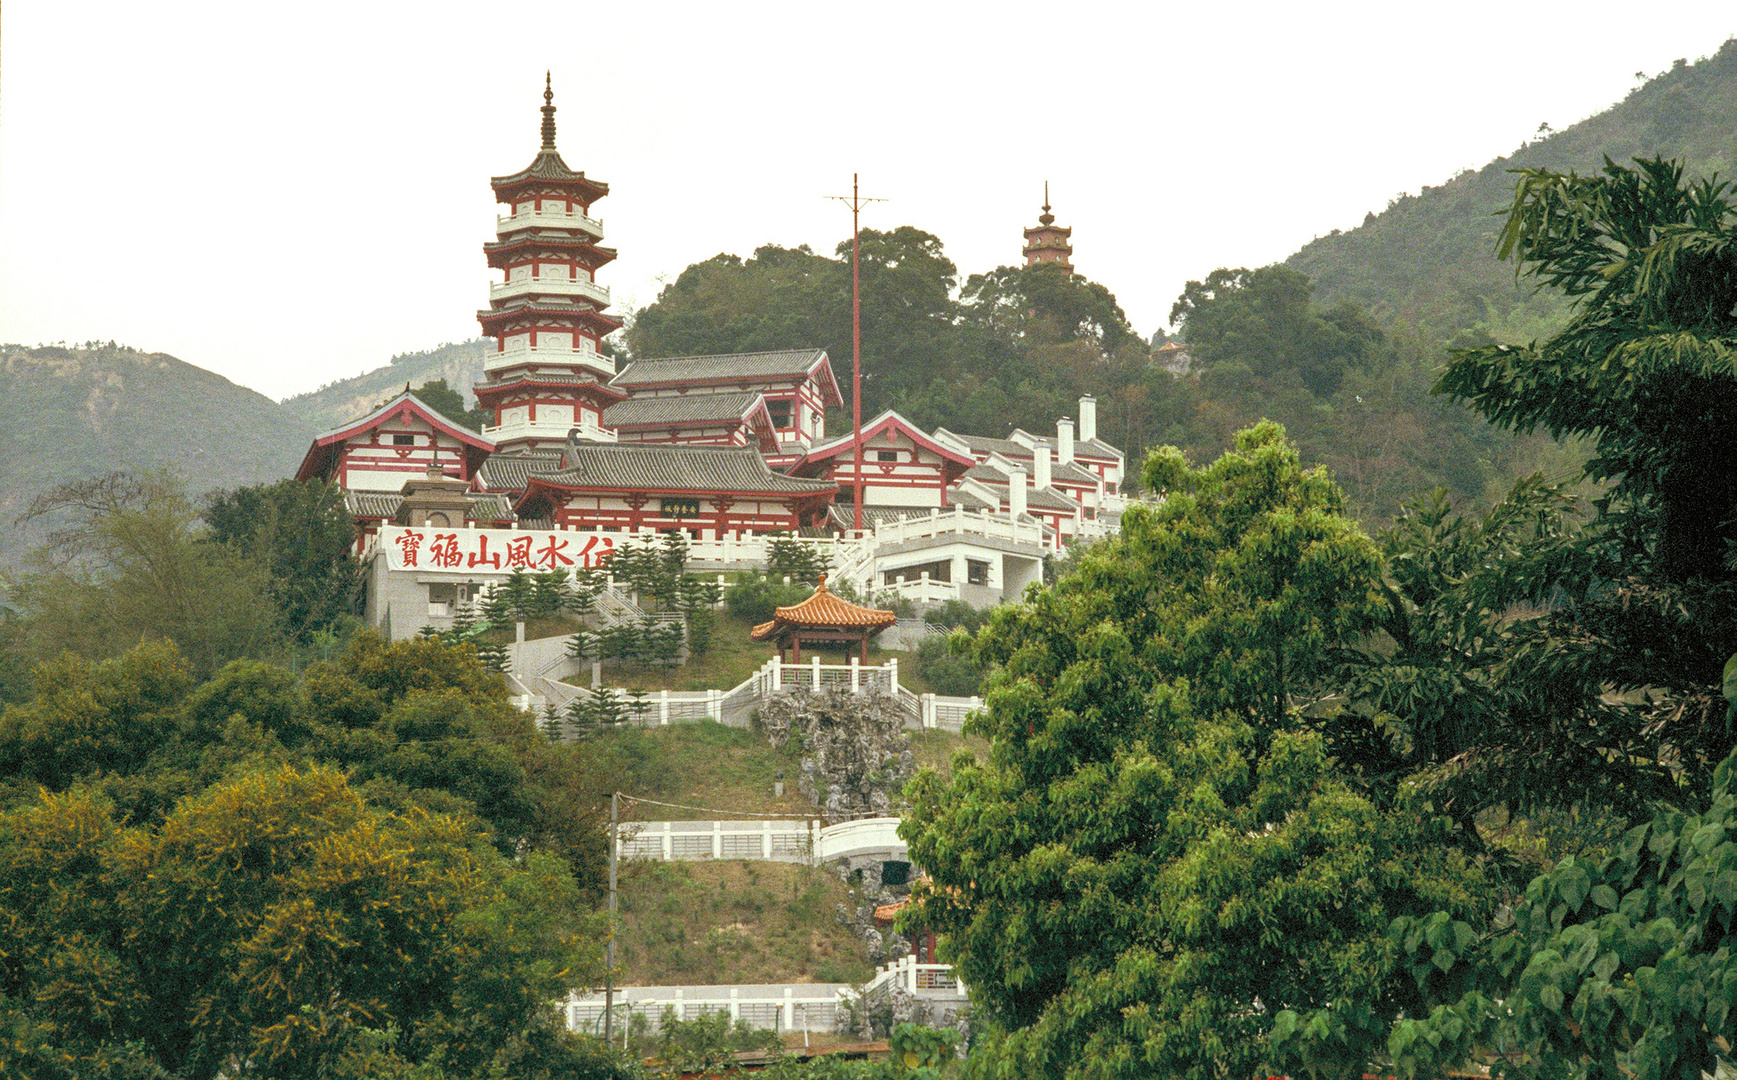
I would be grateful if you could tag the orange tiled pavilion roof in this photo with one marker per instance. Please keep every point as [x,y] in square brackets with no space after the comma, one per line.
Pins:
[823,610]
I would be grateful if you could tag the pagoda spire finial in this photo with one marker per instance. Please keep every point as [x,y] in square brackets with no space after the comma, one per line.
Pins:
[1046,218]
[548,113]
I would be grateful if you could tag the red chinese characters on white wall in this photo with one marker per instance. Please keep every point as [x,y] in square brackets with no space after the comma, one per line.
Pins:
[462,551]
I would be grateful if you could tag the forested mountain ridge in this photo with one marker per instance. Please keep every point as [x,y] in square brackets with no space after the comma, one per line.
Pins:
[1428,260]
[77,413]
[459,363]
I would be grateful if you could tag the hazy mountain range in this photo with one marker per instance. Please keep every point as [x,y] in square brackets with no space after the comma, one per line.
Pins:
[82,412]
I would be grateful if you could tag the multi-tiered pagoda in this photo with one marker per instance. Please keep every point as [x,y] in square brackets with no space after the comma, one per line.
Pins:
[1049,242]
[547,376]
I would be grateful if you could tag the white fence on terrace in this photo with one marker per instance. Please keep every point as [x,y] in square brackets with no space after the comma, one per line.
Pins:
[776,1006]
[816,1007]
[736,705]
[765,841]
[786,840]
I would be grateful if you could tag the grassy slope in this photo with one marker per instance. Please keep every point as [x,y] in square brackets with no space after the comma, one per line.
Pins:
[735,922]
[731,922]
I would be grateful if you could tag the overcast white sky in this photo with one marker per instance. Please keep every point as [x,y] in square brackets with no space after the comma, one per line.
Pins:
[289,194]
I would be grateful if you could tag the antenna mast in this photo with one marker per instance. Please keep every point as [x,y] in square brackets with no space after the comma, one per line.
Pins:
[855,202]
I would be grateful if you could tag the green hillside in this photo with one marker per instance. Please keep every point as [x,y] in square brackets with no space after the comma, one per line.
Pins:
[76,413]
[1427,260]
[460,364]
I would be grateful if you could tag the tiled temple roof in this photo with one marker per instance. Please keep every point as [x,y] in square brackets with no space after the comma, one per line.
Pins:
[823,609]
[509,472]
[790,363]
[373,504]
[490,507]
[681,409]
[663,467]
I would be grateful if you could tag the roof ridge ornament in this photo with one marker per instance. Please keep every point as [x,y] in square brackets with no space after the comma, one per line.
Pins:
[548,112]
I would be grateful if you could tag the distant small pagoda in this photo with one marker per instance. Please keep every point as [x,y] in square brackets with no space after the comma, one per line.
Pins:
[547,375]
[1049,242]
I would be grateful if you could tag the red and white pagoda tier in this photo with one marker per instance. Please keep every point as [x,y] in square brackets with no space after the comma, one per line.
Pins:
[547,376]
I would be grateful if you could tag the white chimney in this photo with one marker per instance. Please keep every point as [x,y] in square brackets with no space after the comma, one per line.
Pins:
[1016,493]
[1064,440]
[1088,418]
[1040,467]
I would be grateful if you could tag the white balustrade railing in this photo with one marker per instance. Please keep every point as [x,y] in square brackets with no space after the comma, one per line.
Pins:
[745,548]
[863,834]
[917,979]
[769,840]
[663,707]
[947,713]
[552,286]
[784,1007]
[549,219]
[958,520]
[818,1007]
[924,590]
[761,841]
[546,429]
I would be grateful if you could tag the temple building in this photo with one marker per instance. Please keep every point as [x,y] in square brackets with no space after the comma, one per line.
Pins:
[547,376]
[1049,243]
[903,468]
[798,386]
[581,457]
[709,492]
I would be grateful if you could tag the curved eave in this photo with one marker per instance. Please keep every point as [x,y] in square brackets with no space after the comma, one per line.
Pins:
[492,318]
[829,392]
[954,463]
[318,462]
[499,253]
[512,188]
[823,611]
[597,390]
[548,172]
[323,453]
[771,631]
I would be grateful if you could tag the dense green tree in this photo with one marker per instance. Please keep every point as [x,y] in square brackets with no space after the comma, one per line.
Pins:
[1046,302]
[91,718]
[1158,855]
[419,726]
[781,298]
[1630,653]
[1616,969]
[1262,321]
[302,535]
[1619,692]
[1644,366]
[131,563]
[1255,574]
[263,923]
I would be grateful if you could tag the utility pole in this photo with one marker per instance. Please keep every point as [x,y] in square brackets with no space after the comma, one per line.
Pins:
[609,947]
[855,202]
